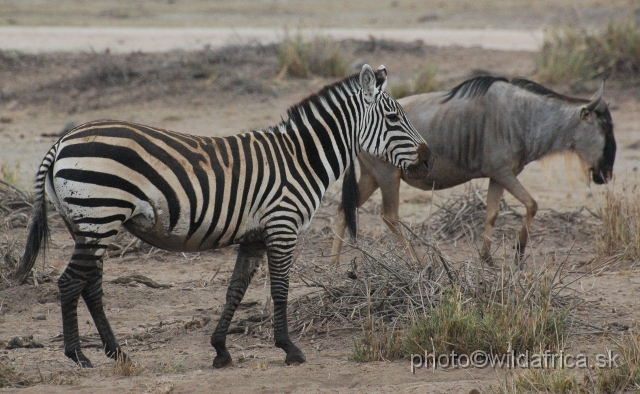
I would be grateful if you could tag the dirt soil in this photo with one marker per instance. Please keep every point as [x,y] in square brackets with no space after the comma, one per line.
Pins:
[166,329]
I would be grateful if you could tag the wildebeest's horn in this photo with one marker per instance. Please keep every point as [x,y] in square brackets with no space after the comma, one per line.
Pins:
[596,98]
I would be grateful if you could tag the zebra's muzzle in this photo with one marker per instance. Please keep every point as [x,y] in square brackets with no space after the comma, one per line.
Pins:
[422,167]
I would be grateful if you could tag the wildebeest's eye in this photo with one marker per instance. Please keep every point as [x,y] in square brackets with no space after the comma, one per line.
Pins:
[393,117]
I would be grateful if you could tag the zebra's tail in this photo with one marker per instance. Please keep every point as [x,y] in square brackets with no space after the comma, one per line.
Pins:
[39,228]
[350,200]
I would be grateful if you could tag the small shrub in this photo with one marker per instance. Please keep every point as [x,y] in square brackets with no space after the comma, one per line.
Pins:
[293,58]
[426,80]
[400,90]
[320,56]
[573,55]
[620,232]
[10,173]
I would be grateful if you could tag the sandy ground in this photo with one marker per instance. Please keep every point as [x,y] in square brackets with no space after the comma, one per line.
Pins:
[153,324]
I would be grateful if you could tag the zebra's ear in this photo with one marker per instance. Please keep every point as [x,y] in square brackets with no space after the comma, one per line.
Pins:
[368,84]
[381,78]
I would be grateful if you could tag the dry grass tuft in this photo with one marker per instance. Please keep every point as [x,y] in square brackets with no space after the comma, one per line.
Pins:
[619,237]
[12,379]
[124,367]
[623,377]
[574,55]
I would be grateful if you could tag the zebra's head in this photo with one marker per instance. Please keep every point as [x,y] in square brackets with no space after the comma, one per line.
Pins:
[386,131]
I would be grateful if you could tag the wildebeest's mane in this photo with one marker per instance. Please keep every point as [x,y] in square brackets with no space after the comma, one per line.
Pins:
[473,87]
[536,88]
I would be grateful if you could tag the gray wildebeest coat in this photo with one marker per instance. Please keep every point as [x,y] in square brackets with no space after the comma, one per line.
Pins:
[490,127]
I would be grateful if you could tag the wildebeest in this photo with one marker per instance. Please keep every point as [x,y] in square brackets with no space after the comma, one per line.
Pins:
[490,127]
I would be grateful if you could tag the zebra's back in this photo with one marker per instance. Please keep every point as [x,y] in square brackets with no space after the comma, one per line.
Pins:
[173,190]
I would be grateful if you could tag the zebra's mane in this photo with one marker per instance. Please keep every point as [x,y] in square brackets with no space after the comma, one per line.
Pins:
[473,87]
[350,85]
[538,89]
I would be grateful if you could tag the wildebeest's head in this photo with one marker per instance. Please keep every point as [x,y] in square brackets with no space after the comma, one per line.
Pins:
[595,143]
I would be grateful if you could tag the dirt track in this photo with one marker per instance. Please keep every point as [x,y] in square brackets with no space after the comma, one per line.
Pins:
[124,40]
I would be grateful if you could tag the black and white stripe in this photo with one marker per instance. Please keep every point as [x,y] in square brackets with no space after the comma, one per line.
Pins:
[190,193]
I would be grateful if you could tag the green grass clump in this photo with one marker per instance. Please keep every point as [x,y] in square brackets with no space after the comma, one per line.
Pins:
[574,55]
[320,56]
[465,325]
[509,320]
[537,381]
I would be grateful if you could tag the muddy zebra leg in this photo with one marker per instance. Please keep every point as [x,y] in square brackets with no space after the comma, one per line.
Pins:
[92,296]
[83,276]
[249,257]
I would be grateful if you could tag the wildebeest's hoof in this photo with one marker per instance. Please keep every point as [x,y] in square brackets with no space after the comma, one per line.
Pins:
[295,358]
[222,362]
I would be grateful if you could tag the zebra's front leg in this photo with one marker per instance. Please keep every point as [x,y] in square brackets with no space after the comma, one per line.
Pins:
[280,259]
[249,258]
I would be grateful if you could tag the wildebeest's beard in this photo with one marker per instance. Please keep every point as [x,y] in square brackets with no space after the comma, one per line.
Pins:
[604,170]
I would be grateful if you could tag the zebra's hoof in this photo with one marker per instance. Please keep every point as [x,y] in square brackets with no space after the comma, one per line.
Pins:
[84,364]
[80,359]
[295,358]
[222,362]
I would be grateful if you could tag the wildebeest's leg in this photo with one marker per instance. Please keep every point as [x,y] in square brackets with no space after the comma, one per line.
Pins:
[390,189]
[249,257]
[280,254]
[367,185]
[494,195]
[83,276]
[513,186]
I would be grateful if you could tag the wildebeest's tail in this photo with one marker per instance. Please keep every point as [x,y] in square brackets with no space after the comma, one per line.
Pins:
[350,200]
[39,228]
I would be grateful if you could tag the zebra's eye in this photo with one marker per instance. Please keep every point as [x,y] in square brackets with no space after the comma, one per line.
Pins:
[393,117]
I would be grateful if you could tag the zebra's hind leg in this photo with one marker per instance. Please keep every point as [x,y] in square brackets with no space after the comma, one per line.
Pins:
[83,277]
[280,255]
[92,295]
[249,257]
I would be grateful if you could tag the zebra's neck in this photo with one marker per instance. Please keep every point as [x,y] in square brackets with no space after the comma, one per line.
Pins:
[321,132]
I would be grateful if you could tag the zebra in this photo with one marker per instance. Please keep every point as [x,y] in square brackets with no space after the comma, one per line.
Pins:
[190,193]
